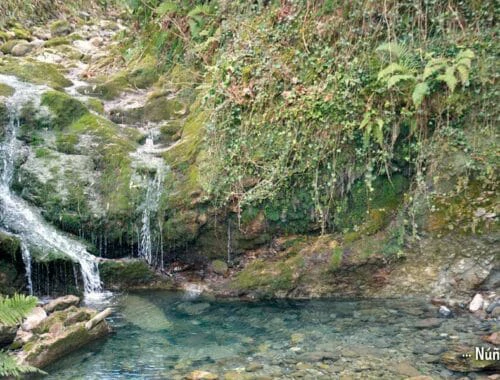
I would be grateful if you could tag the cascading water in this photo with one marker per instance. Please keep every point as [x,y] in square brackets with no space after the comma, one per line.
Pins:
[27,265]
[151,202]
[20,218]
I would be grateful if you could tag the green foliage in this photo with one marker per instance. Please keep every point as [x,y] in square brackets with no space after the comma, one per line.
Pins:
[14,309]
[10,368]
[65,109]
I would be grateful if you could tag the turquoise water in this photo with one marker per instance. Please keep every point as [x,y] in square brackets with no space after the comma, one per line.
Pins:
[164,335]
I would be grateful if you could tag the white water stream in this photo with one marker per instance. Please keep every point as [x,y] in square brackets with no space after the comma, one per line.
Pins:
[17,216]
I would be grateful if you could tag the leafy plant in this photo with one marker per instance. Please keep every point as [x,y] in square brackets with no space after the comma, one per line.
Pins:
[10,368]
[14,309]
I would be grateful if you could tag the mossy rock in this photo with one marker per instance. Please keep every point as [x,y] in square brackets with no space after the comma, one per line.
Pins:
[162,108]
[144,74]
[183,226]
[9,245]
[126,274]
[22,34]
[107,90]
[371,209]
[219,267]
[95,105]
[60,28]
[34,72]
[57,41]
[65,109]
[4,36]
[6,91]
[7,47]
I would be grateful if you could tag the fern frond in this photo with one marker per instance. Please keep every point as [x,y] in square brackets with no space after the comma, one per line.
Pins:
[449,78]
[463,73]
[166,7]
[14,309]
[205,10]
[10,368]
[391,69]
[419,92]
[393,49]
[395,79]
[433,66]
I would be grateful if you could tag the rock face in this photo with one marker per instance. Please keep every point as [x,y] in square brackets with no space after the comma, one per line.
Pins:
[7,334]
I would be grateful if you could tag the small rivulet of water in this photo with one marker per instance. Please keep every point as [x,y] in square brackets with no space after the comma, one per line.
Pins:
[150,208]
[27,265]
[18,216]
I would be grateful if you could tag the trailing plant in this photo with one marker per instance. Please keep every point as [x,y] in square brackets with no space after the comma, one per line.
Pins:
[10,368]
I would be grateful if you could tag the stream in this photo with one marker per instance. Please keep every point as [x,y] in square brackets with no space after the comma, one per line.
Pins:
[165,335]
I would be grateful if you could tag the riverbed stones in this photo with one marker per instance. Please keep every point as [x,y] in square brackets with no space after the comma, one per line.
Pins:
[428,323]
[202,375]
[476,303]
[62,303]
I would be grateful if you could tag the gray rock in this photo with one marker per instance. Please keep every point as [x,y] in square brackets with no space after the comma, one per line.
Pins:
[21,49]
[318,356]
[444,311]
[7,334]
[61,303]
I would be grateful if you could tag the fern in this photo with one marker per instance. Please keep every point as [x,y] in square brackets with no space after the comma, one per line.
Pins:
[166,8]
[395,79]
[393,49]
[434,66]
[10,368]
[449,78]
[204,10]
[391,69]
[14,309]
[419,92]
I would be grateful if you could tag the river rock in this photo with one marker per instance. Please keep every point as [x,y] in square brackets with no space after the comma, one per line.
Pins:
[62,303]
[34,318]
[21,49]
[406,369]
[476,303]
[193,308]
[493,338]
[428,323]
[318,356]
[444,311]
[219,267]
[202,375]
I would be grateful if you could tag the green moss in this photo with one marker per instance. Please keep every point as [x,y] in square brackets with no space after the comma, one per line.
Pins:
[145,73]
[371,210]
[6,90]
[43,153]
[66,142]
[336,259]
[7,47]
[60,28]
[162,108]
[9,245]
[108,90]
[95,105]
[34,72]
[125,274]
[22,34]
[57,41]
[4,36]
[64,108]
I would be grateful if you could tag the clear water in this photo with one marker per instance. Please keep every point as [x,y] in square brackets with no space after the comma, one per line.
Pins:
[163,335]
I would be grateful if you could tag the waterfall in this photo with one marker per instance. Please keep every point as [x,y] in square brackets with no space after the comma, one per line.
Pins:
[17,216]
[150,207]
[27,265]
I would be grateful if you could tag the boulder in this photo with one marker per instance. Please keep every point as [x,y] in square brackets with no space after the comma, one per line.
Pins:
[34,318]
[60,28]
[21,49]
[476,303]
[62,303]
[219,267]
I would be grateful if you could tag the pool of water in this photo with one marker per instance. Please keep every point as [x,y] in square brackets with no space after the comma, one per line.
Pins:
[165,335]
